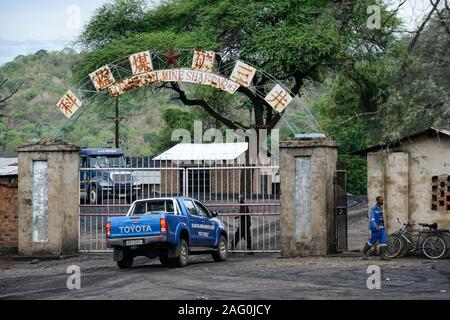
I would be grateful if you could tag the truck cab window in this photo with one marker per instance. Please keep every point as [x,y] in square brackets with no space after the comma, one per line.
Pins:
[191,207]
[154,207]
[107,162]
[202,211]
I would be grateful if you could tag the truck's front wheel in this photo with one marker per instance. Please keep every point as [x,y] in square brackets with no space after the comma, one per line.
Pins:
[222,250]
[126,262]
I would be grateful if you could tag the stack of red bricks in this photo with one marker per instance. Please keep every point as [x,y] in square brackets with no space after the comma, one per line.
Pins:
[8,214]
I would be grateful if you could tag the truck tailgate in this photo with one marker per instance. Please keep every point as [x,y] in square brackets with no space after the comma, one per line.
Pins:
[135,226]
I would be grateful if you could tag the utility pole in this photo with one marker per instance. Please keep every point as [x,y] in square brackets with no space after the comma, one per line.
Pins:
[117,119]
[117,122]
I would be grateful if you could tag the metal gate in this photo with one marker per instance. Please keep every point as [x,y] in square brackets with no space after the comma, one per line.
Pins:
[218,186]
[341,210]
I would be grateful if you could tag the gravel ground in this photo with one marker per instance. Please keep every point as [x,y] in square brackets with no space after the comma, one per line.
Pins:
[357,222]
[260,276]
[241,277]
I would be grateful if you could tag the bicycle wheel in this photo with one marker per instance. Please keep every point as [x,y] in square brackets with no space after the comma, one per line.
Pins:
[434,247]
[394,246]
[406,248]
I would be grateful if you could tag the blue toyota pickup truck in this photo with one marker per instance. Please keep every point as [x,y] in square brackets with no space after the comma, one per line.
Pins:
[168,228]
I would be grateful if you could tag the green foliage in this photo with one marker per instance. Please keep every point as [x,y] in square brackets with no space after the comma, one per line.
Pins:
[294,41]
[121,18]
[379,99]
[421,95]
[37,97]
[123,47]
[350,135]
[278,36]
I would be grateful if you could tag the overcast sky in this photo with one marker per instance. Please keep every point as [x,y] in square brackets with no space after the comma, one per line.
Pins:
[27,26]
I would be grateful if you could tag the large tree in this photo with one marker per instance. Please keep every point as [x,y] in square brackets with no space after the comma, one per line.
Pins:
[294,41]
[382,98]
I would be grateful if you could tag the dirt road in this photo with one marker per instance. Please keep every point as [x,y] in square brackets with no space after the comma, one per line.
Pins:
[261,276]
[241,277]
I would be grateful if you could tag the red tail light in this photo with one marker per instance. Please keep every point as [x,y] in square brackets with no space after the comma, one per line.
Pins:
[163,225]
[108,229]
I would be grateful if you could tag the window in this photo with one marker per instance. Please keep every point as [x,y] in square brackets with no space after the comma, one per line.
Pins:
[154,207]
[191,207]
[202,211]
[440,192]
[107,162]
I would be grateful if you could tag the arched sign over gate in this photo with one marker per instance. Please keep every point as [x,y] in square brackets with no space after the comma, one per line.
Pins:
[185,66]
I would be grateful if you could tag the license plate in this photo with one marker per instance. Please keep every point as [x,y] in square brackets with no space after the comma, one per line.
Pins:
[134,242]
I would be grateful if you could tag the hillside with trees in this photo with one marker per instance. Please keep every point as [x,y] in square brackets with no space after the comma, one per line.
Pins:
[31,113]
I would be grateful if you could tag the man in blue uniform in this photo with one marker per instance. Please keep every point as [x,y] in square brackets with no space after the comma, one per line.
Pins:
[377,230]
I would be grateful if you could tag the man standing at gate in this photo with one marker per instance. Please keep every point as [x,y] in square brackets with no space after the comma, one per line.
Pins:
[377,230]
[244,230]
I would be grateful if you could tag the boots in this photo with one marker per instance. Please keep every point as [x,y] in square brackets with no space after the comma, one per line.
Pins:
[383,253]
[365,250]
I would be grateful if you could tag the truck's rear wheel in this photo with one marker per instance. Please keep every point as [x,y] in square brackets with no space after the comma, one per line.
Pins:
[222,250]
[183,254]
[126,262]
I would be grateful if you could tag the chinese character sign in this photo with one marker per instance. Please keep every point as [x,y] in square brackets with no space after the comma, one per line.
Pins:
[203,60]
[102,78]
[141,62]
[173,75]
[69,104]
[243,74]
[278,98]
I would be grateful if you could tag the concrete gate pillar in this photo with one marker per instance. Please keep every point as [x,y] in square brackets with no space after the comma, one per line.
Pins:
[48,199]
[307,171]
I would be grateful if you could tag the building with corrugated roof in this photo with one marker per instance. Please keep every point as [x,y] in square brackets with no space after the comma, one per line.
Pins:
[8,164]
[214,171]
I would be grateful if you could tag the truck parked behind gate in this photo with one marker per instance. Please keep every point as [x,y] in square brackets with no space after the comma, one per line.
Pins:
[168,228]
[107,175]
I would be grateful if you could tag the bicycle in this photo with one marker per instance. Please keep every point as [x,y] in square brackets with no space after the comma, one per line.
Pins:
[403,241]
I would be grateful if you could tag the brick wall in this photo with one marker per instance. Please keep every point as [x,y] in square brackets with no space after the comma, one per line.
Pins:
[8,214]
